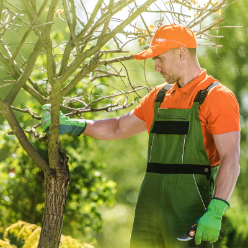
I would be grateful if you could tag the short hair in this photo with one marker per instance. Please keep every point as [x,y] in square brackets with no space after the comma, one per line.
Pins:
[192,52]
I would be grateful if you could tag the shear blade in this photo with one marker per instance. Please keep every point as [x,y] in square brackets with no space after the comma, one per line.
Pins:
[185,237]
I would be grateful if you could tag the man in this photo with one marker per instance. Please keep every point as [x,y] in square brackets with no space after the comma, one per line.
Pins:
[193,153]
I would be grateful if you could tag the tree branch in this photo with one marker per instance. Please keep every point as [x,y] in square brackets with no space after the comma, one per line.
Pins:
[227,27]
[69,45]
[193,23]
[108,108]
[106,24]
[16,75]
[28,31]
[115,60]
[40,32]
[71,26]
[209,27]
[86,69]
[14,6]
[51,66]
[33,4]
[119,94]
[1,8]
[102,40]
[74,15]
[169,12]
[41,99]
[53,142]
[22,138]
[210,44]
[87,17]
[24,77]
[143,21]
[103,19]
[50,16]
[28,111]
[106,17]
[91,20]
[113,51]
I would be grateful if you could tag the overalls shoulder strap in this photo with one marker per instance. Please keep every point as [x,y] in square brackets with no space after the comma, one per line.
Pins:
[161,93]
[200,97]
[160,97]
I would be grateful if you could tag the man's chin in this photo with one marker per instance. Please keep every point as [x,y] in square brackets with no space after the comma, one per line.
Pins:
[168,81]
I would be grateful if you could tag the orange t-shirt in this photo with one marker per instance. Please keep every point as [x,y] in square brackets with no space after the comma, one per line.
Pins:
[219,113]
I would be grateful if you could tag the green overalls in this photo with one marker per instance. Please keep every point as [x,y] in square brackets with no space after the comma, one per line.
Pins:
[176,189]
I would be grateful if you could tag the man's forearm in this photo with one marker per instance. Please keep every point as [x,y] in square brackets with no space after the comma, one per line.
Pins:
[105,129]
[115,128]
[226,178]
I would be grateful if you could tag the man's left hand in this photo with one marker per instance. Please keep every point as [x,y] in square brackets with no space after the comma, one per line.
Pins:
[209,225]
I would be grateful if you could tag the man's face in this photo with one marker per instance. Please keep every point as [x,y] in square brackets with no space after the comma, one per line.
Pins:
[168,65]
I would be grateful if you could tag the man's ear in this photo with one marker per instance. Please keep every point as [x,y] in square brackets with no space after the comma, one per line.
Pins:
[182,52]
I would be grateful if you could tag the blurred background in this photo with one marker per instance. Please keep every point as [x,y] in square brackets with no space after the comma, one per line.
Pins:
[106,175]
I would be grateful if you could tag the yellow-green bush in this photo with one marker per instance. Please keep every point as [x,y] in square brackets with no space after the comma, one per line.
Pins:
[6,244]
[30,234]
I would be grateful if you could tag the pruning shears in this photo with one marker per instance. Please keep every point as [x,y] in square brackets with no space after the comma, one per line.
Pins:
[189,234]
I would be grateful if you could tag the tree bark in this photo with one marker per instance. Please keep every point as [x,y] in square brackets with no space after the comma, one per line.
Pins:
[55,198]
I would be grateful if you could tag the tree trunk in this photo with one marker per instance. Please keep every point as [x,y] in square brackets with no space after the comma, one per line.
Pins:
[55,198]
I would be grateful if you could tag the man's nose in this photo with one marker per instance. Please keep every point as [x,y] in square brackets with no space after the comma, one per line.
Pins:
[158,68]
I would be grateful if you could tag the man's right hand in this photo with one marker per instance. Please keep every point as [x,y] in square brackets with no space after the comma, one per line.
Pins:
[66,125]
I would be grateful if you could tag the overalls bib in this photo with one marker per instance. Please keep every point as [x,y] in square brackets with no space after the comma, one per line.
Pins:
[179,181]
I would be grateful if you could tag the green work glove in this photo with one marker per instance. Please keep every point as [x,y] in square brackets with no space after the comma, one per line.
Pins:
[66,125]
[209,225]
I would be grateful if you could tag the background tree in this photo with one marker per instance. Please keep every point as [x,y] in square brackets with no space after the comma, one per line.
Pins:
[63,70]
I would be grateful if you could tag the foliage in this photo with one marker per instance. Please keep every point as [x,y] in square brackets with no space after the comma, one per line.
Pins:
[22,191]
[26,235]
[6,244]
[88,189]
[73,54]
[229,65]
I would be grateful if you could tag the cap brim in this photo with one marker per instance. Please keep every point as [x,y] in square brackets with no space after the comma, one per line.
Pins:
[148,53]
[154,51]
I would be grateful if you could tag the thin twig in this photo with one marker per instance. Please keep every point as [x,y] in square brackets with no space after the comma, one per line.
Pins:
[129,79]
[227,27]
[87,17]
[143,21]
[5,85]
[14,6]
[113,51]
[209,27]
[210,44]
[71,25]
[144,69]
[28,110]
[170,12]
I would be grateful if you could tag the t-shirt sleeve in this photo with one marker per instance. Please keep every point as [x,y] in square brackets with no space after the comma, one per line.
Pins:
[222,111]
[146,105]
[138,110]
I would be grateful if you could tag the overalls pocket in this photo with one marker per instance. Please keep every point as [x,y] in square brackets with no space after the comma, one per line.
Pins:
[168,134]
[163,147]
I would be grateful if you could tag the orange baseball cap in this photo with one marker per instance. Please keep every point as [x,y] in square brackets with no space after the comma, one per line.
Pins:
[166,38]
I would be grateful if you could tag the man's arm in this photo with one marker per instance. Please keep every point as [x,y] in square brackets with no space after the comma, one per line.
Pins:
[115,128]
[228,147]
[209,225]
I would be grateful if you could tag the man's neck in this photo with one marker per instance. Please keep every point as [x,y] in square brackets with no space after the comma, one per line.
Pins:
[189,75]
